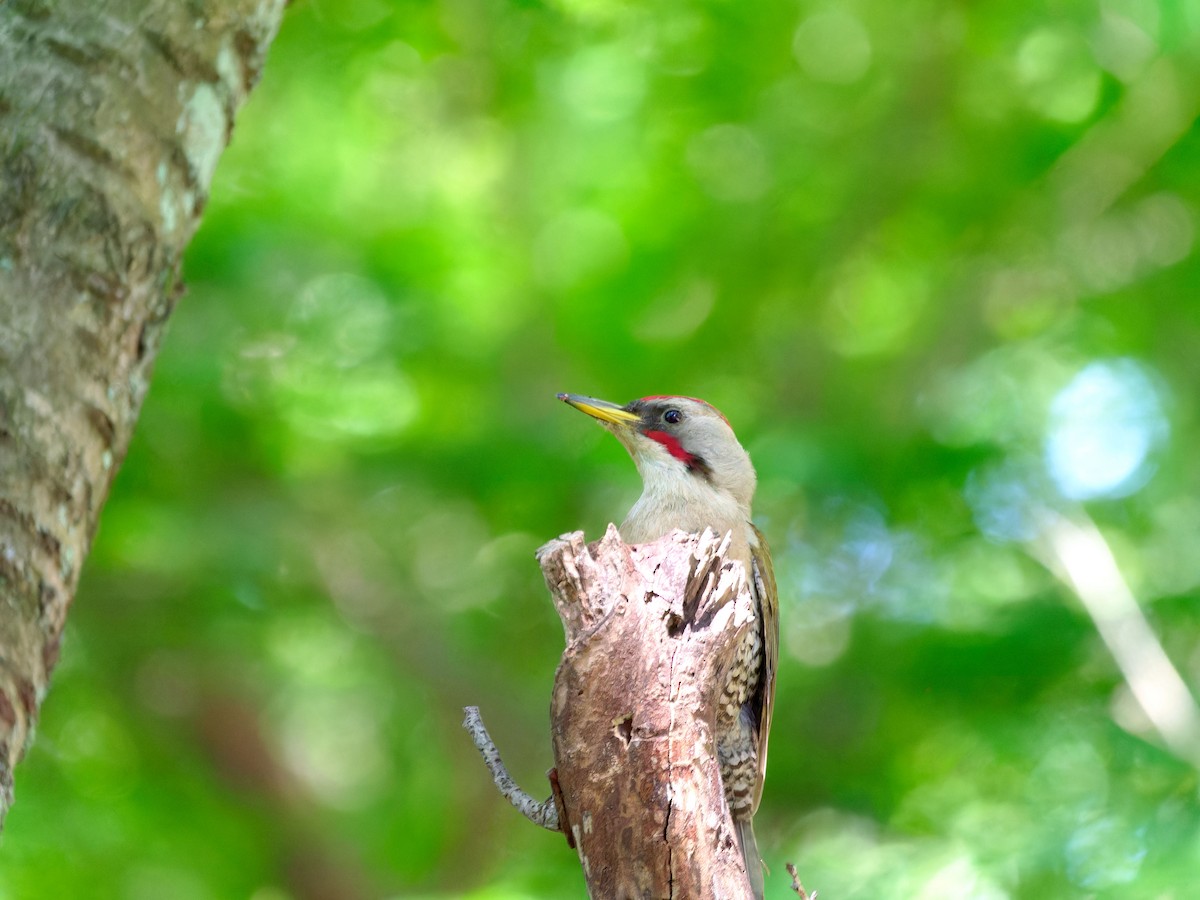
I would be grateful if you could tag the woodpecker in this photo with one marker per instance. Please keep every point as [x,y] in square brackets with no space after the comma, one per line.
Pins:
[695,475]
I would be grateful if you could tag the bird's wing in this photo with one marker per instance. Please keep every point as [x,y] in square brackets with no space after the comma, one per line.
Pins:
[768,599]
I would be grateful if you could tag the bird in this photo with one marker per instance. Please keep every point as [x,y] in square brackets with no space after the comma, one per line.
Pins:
[696,475]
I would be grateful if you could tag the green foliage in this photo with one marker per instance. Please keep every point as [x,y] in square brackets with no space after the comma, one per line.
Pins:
[937,263]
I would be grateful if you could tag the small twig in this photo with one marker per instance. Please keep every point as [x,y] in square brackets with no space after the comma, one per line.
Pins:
[539,812]
[797,886]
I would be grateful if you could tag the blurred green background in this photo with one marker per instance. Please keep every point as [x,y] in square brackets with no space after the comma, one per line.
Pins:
[936,262]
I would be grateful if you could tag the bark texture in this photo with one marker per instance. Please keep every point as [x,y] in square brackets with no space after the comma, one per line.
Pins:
[113,114]
[650,630]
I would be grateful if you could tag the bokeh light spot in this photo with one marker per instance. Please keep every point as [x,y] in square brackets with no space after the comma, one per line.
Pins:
[1165,227]
[1006,500]
[603,84]
[1060,79]
[1121,45]
[730,163]
[1104,426]
[676,314]
[1104,853]
[833,46]
[873,307]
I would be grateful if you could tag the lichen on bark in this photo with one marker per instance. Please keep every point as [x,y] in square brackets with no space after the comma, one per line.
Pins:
[110,128]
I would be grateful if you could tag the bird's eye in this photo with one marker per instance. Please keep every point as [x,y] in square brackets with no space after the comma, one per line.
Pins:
[673,416]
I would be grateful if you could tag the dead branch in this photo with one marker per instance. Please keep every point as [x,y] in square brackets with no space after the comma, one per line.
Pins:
[797,886]
[539,812]
[650,631]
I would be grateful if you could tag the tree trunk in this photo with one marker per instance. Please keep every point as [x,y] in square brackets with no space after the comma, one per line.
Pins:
[112,118]
[650,633]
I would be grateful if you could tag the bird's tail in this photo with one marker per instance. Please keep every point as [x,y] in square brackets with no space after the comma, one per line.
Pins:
[754,864]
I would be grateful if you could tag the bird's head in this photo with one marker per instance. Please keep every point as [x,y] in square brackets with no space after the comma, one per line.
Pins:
[669,437]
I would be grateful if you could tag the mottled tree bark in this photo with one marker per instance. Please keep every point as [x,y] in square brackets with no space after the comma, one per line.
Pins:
[113,114]
[650,634]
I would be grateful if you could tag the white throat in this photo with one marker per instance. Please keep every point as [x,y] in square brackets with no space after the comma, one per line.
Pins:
[672,497]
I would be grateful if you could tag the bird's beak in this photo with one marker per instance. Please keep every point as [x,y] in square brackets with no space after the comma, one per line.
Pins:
[603,410]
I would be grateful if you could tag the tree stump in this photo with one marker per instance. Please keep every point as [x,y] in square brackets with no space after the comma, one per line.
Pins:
[650,633]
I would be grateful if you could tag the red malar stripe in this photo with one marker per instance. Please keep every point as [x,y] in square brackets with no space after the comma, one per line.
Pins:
[673,446]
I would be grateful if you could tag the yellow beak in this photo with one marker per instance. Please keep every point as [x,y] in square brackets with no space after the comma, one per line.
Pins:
[609,413]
